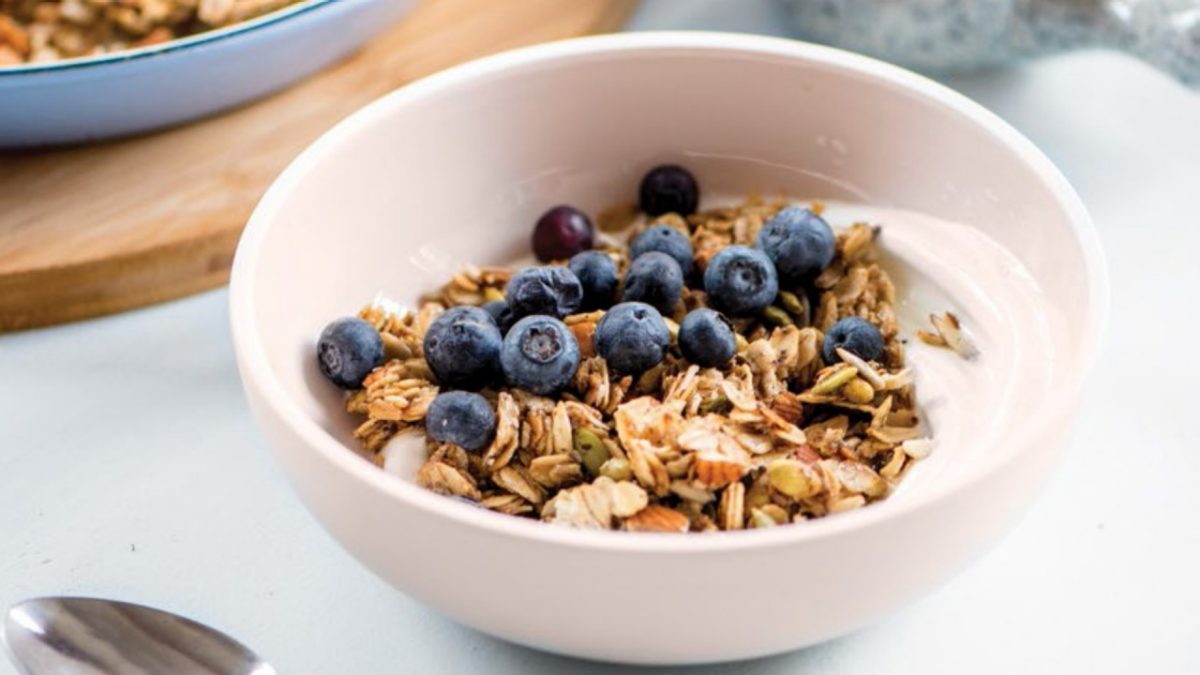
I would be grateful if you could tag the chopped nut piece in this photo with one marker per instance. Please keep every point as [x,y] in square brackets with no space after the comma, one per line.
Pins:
[657,518]
[732,509]
[950,334]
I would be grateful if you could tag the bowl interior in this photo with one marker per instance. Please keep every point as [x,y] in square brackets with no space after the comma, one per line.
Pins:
[456,168]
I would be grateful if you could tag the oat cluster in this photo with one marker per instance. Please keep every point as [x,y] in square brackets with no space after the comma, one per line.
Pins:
[34,31]
[775,437]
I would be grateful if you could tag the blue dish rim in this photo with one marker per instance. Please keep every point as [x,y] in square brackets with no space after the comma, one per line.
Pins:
[170,46]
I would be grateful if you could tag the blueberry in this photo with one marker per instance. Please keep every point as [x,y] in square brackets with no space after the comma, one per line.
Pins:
[597,274]
[669,189]
[540,355]
[560,233]
[706,338]
[667,240]
[632,337]
[655,279]
[462,418]
[348,350]
[462,348]
[553,291]
[856,336]
[500,313]
[740,281]
[799,242]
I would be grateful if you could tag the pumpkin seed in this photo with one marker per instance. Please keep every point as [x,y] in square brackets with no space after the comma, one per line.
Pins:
[617,469]
[789,477]
[776,317]
[859,390]
[591,450]
[719,405]
[834,380]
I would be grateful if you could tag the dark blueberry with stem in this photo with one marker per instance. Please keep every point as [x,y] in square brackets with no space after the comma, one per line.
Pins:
[463,418]
[740,281]
[540,355]
[664,239]
[655,279]
[855,335]
[462,348]
[553,291]
[597,274]
[669,189]
[348,350]
[799,242]
[706,338]
[562,232]
[632,337]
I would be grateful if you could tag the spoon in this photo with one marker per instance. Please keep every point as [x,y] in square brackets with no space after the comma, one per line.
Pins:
[90,636]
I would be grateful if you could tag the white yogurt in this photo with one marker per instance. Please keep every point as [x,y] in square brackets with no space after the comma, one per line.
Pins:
[939,266]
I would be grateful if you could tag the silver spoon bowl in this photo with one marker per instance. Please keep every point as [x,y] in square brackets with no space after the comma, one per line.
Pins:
[90,636]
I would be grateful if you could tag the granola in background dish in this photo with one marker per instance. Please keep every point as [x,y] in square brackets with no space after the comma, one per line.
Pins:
[733,368]
[35,31]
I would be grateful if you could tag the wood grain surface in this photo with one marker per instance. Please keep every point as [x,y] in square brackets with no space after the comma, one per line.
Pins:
[97,229]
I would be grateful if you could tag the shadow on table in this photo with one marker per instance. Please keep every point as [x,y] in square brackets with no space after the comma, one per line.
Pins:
[508,657]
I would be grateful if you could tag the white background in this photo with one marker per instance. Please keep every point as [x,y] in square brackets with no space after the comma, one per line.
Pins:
[130,466]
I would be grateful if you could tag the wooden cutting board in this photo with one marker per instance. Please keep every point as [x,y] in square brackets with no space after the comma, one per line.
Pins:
[103,228]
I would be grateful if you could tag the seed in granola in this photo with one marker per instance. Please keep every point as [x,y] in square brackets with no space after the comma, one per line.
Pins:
[760,519]
[552,291]
[718,404]
[655,279]
[463,418]
[632,337]
[740,281]
[669,188]
[462,348]
[590,449]
[776,317]
[855,335]
[560,233]
[858,391]
[539,355]
[664,239]
[832,379]
[792,478]
[597,274]
[616,468]
[706,338]
[348,350]
[795,306]
[799,242]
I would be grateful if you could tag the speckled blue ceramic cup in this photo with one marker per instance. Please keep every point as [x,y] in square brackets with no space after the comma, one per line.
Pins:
[943,35]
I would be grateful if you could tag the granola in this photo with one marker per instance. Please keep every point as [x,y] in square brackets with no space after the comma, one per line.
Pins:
[33,31]
[780,434]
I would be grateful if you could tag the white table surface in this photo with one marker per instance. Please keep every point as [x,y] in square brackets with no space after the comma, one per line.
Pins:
[130,465]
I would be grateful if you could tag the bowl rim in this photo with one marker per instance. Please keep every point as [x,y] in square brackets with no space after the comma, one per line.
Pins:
[258,377]
[170,46]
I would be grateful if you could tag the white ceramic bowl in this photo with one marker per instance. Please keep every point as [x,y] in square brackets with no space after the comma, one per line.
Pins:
[152,87]
[456,167]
